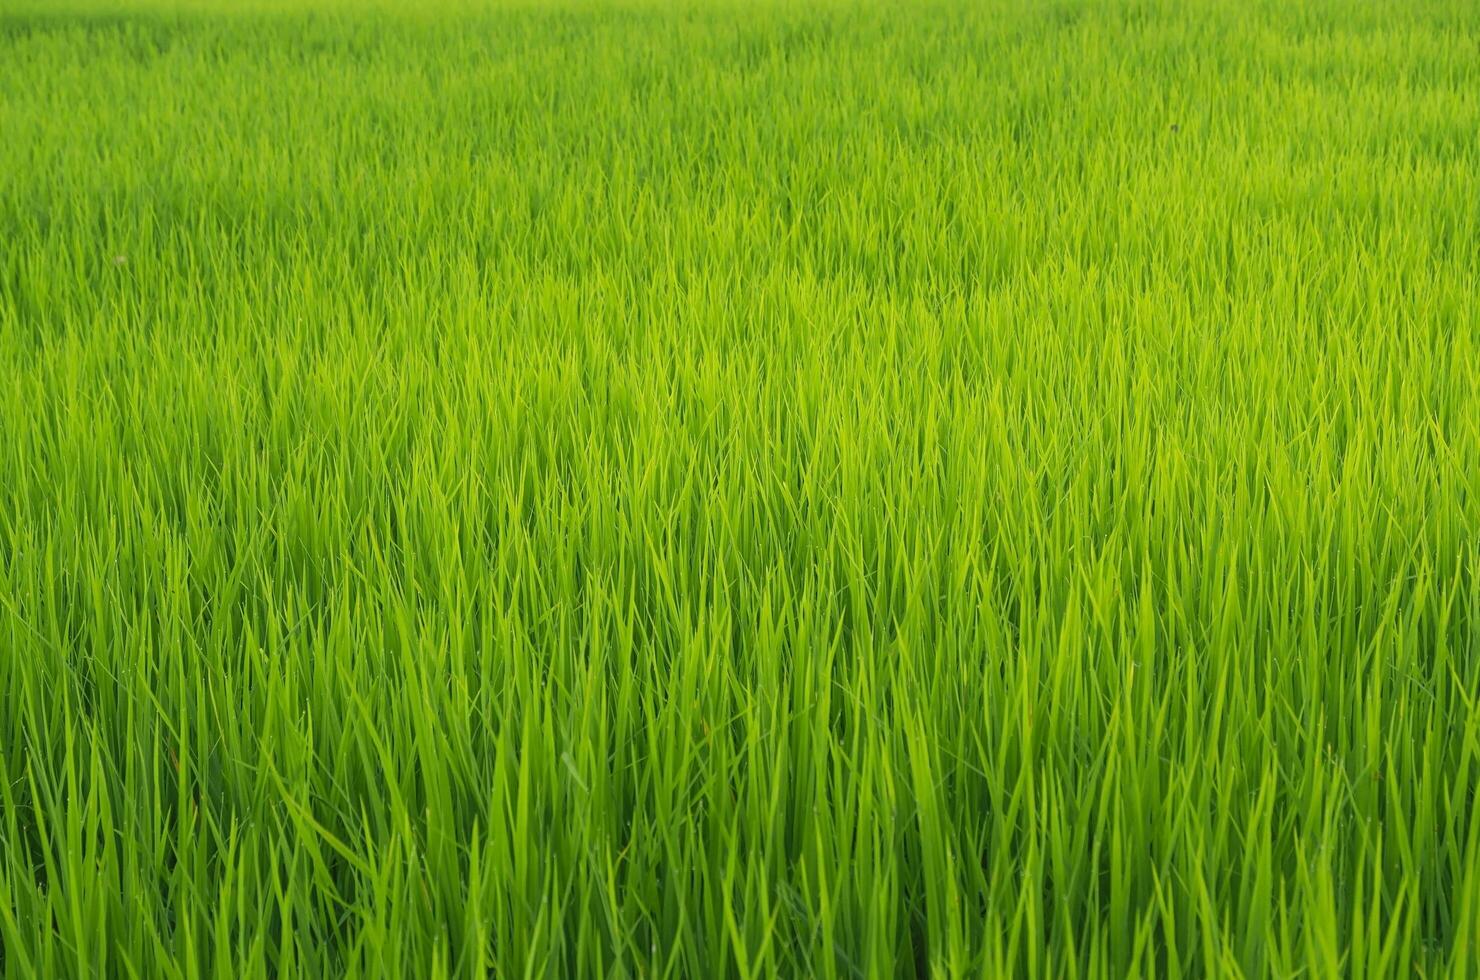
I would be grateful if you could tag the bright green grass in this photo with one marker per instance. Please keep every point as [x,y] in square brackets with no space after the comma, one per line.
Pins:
[625,490]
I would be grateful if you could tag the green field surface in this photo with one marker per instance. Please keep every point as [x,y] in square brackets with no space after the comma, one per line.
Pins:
[753,488]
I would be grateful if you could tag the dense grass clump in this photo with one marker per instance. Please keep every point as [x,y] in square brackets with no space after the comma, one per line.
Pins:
[683,489]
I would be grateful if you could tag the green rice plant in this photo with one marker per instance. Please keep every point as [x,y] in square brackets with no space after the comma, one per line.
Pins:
[667,488]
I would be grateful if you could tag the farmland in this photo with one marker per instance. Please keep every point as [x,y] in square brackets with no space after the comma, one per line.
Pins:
[668,488]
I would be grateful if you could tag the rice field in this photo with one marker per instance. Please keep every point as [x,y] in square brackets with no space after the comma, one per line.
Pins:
[739,488]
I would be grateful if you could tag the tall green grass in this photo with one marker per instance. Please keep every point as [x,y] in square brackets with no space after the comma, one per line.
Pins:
[747,489]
